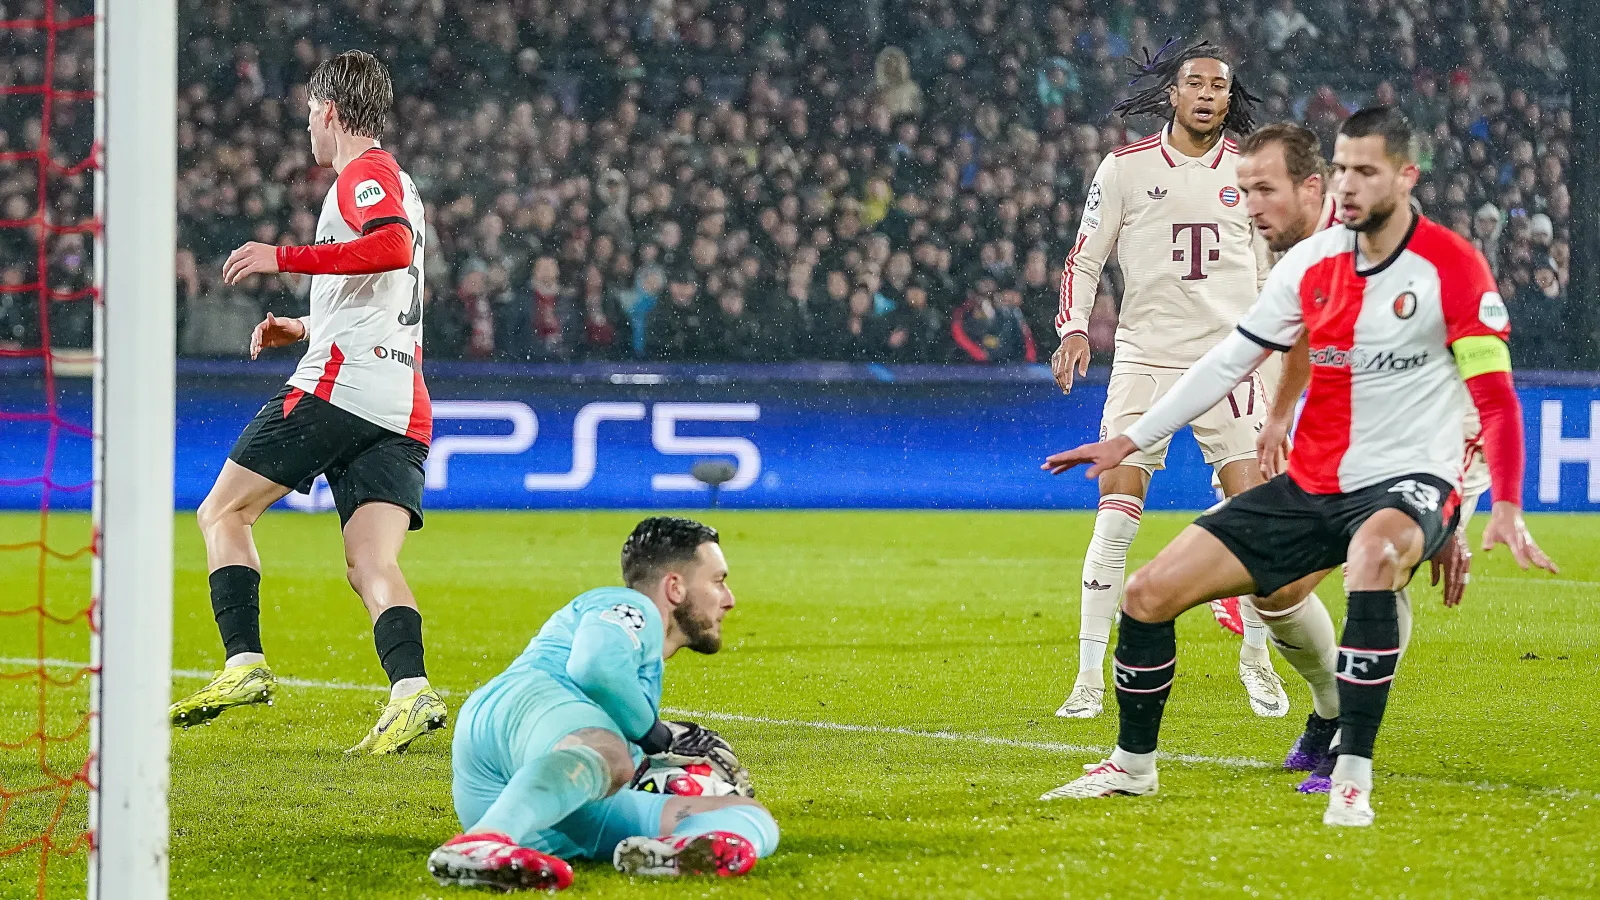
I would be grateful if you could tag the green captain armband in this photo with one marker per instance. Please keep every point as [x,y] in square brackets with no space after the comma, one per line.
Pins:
[1481,354]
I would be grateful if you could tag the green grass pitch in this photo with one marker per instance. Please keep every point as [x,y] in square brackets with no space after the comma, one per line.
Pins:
[890,679]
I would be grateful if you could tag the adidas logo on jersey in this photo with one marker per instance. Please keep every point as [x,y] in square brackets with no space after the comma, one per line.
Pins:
[1157,194]
[1359,360]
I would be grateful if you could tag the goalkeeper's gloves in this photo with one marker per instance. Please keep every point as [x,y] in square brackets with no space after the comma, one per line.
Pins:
[684,744]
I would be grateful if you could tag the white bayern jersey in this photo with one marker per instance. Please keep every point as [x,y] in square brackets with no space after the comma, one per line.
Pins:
[1386,396]
[1191,261]
[365,331]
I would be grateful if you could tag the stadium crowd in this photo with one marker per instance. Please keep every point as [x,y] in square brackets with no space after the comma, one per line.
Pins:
[752,180]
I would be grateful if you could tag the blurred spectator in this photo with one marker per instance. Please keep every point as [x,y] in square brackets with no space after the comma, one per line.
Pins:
[623,141]
[542,325]
[892,84]
[676,330]
[1539,311]
[989,327]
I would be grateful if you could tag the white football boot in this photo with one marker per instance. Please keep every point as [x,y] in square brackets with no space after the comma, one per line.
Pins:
[1105,779]
[1084,702]
[1348,804]
[1265,688]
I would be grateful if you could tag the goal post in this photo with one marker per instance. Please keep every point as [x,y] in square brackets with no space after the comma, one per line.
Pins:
[134,402]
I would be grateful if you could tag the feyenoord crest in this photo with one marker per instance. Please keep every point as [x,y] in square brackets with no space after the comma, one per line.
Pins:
[1229,196]
[1405,305]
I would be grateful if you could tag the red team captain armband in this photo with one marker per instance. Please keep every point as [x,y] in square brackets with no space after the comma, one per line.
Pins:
[1477,326]
[371,202]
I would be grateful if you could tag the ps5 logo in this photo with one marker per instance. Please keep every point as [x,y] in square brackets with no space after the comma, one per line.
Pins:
[586,429]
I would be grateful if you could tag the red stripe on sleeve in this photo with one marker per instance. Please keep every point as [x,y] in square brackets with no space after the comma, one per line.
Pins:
[1064,314]
[330,372]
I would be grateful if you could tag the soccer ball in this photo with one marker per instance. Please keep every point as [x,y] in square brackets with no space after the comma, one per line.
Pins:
[693,780]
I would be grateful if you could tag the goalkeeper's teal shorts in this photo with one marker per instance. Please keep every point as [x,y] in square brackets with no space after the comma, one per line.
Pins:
[512,721]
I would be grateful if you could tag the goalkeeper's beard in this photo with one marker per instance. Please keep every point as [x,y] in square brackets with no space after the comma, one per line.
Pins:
[700,632]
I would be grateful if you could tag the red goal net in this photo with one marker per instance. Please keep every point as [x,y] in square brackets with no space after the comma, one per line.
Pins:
[48,229]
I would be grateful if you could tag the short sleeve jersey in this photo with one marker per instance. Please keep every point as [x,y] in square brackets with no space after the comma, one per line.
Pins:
[1386,397]
[623,608]
[365,353]
[1191,261]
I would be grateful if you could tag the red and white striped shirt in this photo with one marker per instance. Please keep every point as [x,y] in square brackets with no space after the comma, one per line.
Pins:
[1386,396]
[365,330]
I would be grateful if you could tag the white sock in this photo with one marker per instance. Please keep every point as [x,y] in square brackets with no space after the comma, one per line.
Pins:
[244,659]
[1134,763]
[1469,505]
[1105,568]
[405,687]
[1351,768]
[1402,612]
[1305,636]
[1255,633]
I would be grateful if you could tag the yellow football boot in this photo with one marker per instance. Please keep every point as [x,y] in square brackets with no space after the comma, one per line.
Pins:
[403,721]
[233,686]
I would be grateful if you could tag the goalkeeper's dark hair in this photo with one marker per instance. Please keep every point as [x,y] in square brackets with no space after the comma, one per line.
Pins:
[358,85]
[1159,72]
[661,542]
[1399,141]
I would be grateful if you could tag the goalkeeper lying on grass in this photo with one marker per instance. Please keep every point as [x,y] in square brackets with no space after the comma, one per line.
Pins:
[544,753]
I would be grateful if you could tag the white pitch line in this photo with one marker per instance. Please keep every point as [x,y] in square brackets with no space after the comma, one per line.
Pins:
[988,740]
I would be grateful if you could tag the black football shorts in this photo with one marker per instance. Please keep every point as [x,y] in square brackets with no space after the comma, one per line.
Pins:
[298,436]
[1281,533]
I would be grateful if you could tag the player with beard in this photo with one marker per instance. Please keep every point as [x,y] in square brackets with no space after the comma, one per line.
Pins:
[1281,172]
[543,752]
[1404,323]
[1171,207]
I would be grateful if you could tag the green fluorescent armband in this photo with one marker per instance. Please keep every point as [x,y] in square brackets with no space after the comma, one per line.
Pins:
[1480,354]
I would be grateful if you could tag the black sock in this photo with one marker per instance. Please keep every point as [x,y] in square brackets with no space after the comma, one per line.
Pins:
[1146,659]
[398,637]
[236,603]
[1368,653]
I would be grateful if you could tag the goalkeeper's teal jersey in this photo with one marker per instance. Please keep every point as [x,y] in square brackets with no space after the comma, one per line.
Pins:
[605,644]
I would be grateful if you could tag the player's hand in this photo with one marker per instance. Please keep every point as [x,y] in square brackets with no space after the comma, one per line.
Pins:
[696,744]
[275,332]
[1506,527]
[254,258]
[1103,456]
[1452,563]
[1272,448]
[1072,356]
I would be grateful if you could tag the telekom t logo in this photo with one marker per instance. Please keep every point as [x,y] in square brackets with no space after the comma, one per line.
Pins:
[1197,256]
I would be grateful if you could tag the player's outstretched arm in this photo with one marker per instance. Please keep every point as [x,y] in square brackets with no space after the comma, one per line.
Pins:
[1200,388]
[1101,457]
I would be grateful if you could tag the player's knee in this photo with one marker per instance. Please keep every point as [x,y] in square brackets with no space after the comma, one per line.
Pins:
[1144,598]
[217,512]
[613,749]
[1373,563]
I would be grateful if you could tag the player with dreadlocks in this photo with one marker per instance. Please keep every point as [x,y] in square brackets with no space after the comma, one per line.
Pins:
[1192,264]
